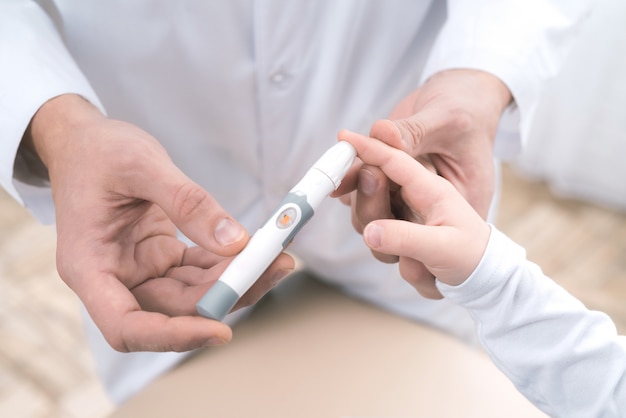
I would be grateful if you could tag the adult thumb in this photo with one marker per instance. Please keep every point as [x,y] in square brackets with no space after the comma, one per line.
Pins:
[409,134]
[405,134]
[196,213]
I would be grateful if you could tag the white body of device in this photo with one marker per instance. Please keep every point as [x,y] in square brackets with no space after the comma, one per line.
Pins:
[272,238]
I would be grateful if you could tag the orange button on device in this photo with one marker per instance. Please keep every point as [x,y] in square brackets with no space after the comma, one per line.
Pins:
[286,218]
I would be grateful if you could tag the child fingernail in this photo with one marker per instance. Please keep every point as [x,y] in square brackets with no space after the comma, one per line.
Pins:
[373,235]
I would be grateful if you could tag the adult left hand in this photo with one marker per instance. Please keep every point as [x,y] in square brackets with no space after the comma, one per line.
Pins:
[449,125]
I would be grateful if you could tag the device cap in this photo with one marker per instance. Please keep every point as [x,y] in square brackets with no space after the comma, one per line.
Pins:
[218,301]
[336,162]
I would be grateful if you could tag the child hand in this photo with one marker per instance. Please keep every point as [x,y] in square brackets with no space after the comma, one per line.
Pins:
[442,231]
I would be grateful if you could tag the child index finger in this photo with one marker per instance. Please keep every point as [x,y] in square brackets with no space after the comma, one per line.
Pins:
[397,165]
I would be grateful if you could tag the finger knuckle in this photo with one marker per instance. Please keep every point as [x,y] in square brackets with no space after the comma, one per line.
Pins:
[462,119]
[415,132]
[188,199]
[118,343]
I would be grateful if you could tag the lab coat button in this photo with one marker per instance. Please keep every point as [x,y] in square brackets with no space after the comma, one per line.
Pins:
[280,78]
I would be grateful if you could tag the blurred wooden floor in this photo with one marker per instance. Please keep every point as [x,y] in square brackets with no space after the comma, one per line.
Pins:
[579,245]
[46,369]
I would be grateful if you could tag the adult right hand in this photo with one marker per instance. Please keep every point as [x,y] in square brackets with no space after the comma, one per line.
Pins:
[119,199]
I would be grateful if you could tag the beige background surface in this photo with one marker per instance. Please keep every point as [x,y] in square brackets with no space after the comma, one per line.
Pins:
[309,351]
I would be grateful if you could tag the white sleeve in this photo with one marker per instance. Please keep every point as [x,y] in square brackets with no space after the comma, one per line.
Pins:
[567,360]
[522,42]
[35,66]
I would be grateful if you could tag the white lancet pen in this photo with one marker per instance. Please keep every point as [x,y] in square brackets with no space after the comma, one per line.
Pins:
[272,238]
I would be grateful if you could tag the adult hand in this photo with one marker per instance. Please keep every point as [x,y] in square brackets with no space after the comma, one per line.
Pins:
[450,238]
[119,199]
[449,125]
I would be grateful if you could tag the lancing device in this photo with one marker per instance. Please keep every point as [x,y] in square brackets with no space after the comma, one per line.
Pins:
[272,238]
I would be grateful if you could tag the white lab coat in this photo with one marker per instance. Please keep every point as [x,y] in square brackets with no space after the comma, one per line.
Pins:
[245,95]
[577,142]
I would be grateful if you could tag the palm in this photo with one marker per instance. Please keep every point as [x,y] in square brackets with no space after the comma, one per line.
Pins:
[144,253]
[122,257]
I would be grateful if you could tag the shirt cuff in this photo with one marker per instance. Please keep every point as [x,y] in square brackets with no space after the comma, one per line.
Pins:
[501,258]
[40,69]
[522,42]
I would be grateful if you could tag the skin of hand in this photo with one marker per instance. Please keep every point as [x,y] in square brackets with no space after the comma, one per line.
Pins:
[450,238]
[118,200]
[449,125]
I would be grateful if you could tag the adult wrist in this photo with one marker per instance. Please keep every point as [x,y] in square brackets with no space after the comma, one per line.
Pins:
[498,92]
[48,131]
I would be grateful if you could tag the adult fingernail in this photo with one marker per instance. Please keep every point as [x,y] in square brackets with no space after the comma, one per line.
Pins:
[373,235]
[228,232]
[367,182]
[279,276]
[213,342]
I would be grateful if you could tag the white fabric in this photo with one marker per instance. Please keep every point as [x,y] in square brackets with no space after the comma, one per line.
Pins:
[255,91]
[567,360]
[578,140]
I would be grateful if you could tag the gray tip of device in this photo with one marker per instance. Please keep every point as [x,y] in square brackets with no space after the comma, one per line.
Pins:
[217,302]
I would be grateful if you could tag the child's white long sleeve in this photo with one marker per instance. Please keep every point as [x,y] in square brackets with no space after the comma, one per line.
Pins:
[567,360]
